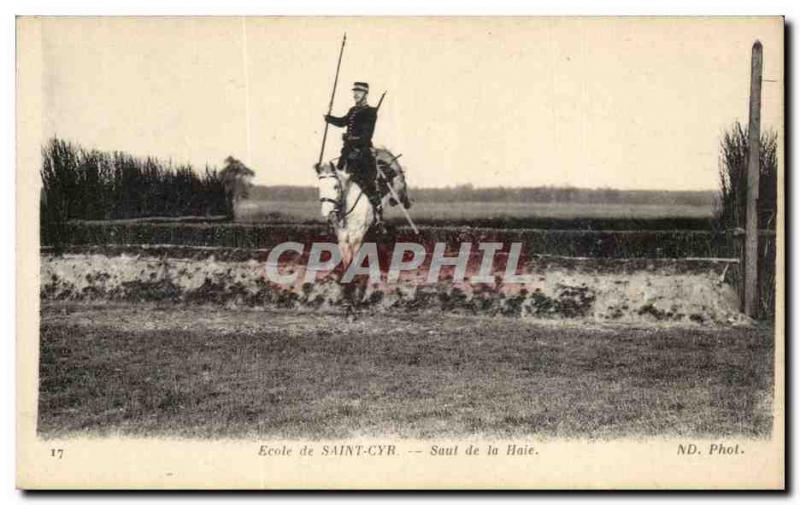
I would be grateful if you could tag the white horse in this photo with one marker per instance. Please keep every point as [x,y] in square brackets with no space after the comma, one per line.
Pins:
[348,209]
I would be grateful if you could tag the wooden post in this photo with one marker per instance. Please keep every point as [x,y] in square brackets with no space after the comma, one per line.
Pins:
[754,149]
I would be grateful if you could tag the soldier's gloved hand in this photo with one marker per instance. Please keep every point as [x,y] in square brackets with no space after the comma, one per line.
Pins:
[327,118]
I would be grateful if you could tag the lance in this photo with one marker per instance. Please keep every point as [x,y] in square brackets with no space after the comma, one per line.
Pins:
[330,105]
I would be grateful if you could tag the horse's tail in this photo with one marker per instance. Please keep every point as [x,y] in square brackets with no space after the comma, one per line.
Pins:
[394,175]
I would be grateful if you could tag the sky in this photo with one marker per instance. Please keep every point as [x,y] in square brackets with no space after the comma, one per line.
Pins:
[627,103]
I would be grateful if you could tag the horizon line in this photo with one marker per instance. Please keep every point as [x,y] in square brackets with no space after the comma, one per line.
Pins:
[470,187]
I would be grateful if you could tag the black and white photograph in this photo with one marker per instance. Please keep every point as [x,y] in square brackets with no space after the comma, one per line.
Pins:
[400,252]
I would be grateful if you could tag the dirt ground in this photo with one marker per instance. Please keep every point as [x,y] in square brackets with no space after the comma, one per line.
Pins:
[201,371]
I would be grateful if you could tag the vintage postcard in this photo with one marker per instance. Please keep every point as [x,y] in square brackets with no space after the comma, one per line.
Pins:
[400,253]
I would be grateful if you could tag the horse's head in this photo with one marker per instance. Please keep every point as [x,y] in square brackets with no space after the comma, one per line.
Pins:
[330,188]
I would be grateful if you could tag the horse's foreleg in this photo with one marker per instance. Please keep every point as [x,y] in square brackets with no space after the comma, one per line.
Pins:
[347,255]
[347,287]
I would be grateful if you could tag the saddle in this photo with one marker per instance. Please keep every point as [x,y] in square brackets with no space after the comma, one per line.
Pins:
[386,173]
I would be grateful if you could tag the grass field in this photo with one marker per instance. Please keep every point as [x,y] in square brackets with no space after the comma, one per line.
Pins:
[174,370]
[266,210]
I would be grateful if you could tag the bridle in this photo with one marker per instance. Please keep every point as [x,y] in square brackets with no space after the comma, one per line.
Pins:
[339,190]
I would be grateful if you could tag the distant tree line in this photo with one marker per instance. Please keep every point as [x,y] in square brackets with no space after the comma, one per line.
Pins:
[543,194]
[88,184]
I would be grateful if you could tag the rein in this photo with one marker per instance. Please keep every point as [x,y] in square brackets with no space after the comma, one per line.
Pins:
[360,194]
[340,190]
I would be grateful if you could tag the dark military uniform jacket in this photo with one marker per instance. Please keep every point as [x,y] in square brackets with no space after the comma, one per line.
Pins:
[360,123]
[356,155]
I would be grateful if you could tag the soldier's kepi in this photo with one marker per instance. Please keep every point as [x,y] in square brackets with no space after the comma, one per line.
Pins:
[356,157]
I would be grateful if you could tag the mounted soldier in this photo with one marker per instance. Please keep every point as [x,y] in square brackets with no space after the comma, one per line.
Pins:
[356,157]
[360,171]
